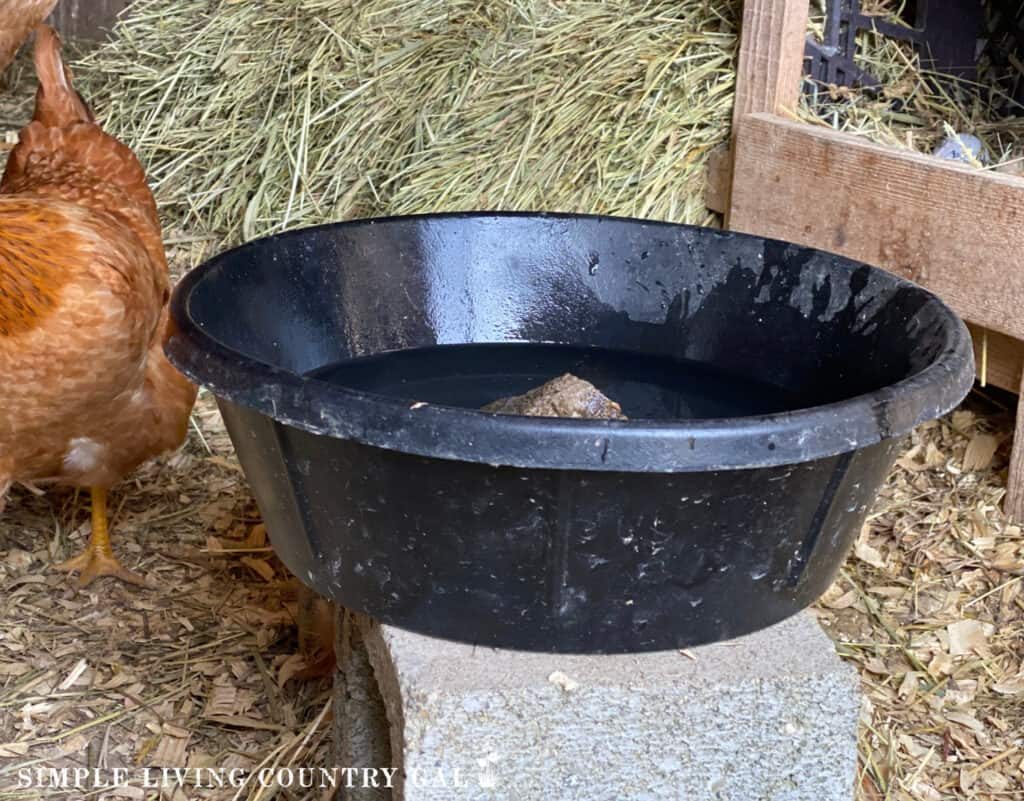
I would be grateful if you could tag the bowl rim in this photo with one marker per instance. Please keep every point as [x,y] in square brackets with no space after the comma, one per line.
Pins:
[641,445]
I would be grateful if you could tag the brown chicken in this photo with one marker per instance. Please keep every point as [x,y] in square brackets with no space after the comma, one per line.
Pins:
[87,392]
[18,18]
[314,618]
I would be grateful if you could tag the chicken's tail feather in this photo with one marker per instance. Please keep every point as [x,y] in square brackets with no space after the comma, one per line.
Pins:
[57,102]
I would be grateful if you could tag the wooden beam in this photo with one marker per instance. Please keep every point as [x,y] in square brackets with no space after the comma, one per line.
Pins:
[1013,503]
[955,230]
[718,174]
[1001,357]
[771,58]
[768,72]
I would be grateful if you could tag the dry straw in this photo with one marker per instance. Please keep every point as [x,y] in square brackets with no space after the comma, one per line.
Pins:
[915,109]
[255,117]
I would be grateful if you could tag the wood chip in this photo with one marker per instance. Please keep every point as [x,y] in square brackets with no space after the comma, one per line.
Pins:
[844,601]
[293,665]
[980,450]
[243,722]
[966,636]
[76,672]
[171,749]
[866,553]
[18,559]
[127,791]
[222,701]
[257,536]
[961,693]
[1013,686]
[11,750]
[995,780]
[965,719]
[261,567]
[922,791]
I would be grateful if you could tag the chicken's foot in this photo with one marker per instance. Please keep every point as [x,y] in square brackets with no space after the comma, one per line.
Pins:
[98,557]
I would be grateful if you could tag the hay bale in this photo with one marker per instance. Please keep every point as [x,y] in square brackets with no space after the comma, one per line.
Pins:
[255,117]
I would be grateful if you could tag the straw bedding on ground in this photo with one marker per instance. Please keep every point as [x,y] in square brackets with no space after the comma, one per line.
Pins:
[929,608]
[191,673]
[282,121]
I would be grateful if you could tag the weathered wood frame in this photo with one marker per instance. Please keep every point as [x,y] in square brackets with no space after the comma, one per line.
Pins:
[952,229]
[86,20]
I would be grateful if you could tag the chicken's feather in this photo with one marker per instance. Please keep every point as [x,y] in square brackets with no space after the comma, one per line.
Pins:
[17,19]
[47,245]
[89,394]
[29,278]
[64,154]
[83,165]
[57,103]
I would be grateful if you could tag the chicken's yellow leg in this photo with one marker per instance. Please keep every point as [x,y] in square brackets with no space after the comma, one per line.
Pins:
[98,558]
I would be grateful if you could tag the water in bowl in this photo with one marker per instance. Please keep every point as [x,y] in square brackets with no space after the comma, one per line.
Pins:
[472,375]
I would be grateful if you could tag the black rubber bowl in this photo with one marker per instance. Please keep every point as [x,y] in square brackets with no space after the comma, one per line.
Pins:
[564,534]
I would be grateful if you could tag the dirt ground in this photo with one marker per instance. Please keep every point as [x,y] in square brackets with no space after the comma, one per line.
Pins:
[198,669]
[190,672]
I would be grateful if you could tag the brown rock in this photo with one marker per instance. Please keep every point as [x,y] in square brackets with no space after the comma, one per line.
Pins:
[565,396]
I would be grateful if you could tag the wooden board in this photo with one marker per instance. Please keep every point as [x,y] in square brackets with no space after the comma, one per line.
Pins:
[1004,364]
[1013,504]
[956,231]
[718,175]
[768,72]
[771,56]
[86,20]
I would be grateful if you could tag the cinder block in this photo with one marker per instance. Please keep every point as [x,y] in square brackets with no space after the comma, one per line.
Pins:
[767,717]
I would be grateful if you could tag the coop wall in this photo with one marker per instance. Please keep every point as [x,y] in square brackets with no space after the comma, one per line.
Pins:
[86,20]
